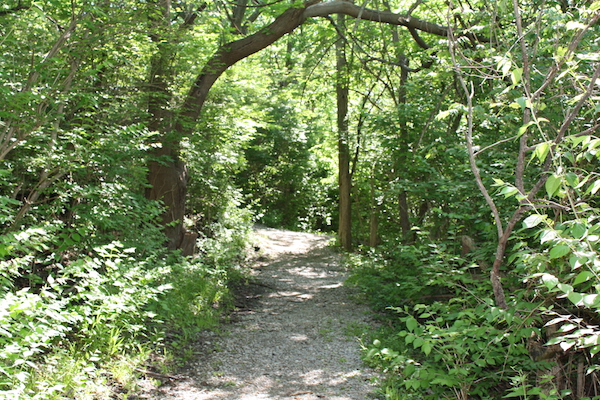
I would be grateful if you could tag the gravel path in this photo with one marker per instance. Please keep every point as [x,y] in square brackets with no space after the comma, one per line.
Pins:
[293,338]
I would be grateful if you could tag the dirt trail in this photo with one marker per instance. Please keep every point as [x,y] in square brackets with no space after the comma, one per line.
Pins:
[292,339]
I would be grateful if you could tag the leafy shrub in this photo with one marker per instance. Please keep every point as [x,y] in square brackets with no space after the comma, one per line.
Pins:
[66,320]
[444,337]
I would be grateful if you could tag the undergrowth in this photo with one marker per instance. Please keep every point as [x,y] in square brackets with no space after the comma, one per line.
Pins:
[78,323]
[443,337]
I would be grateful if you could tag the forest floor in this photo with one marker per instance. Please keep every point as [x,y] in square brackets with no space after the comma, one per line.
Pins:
[293,335]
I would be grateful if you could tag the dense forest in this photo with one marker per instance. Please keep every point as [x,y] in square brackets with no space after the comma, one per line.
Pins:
[452,146]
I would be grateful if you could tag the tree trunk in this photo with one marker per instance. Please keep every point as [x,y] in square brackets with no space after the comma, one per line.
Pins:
[345,178]
[167,177]
[167,174]
[374,215]
[405,224]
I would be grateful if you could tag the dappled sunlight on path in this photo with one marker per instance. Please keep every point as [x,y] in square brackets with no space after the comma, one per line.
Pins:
[295,339]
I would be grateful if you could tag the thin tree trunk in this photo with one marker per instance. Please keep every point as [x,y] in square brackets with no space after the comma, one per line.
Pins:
[374,215]
[345,178]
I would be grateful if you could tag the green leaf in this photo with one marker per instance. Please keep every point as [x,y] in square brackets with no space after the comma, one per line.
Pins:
[409,370]
[509,191]
[578,230]
[559,251]
[411,324]
[593,188]
[553,184]
[516,76]
[550,281]
[533,220]
[519,391]
[575,297]
[426,348]
[480,362]
[572,179]
[524,103]
[583,276]
[418,342]
[577,261]
[563,287]
[524,128]
[541,151]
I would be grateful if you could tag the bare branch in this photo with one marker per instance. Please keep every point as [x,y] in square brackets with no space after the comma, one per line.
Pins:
[386,17]
[494,145]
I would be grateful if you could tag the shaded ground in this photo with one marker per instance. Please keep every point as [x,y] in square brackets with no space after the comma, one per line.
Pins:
[291,338]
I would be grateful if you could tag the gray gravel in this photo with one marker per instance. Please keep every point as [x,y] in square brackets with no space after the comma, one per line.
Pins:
[293,338]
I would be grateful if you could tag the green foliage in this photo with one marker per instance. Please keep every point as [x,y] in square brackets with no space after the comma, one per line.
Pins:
[94,309]
[388,279]
[441,349]
[443,336]
[282,179]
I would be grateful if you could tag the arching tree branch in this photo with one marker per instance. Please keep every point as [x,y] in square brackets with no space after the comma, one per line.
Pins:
[232,52]
[386,17]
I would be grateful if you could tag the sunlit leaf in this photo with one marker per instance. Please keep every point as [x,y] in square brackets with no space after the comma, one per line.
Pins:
[541,151]
[509,191]
[578,230]
[533,220]
[572,179]
[590,300]
[565,288]
[556,320]
[504,65]
[552,185]
[547,235]
[577,261]
[576,298]
[550,281]
[573,25]
[524,128]
[516,76]
[566,345]
[583,276]
[566,328]
[594,187]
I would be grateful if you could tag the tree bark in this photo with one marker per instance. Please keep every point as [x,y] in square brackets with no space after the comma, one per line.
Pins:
[167,174]
[373,215]
[167,179]
[344,175]
[411,23]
